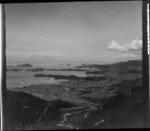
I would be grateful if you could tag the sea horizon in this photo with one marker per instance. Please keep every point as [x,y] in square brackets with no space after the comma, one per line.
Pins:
[68,64]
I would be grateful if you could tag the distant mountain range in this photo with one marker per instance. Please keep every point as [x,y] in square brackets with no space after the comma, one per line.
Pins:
[132,66]
[118,64]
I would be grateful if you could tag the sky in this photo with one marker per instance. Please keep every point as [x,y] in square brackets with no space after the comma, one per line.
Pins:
[74,32]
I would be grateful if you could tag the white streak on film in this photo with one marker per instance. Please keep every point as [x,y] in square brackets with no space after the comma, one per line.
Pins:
[1,126]
[148,28]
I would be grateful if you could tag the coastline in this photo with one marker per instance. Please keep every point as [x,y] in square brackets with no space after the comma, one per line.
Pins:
[95,102]
[72,92]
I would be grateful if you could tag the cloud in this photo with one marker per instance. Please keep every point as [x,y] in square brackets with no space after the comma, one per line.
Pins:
[130,50]
[127,55]
[30,54]
[113,45]
[135,45]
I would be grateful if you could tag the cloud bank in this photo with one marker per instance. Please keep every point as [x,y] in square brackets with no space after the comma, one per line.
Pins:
[127,55]
[135,45]
[128,50]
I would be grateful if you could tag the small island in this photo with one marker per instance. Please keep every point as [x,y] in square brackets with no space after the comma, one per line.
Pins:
[24,65]
[35,69]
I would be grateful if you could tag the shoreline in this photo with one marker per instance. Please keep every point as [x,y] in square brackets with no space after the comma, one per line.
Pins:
[79,102]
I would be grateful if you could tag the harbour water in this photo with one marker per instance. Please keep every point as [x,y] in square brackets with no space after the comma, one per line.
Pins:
[25,78]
